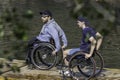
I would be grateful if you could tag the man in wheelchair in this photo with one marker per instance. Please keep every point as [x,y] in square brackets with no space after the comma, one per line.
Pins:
[50,30]
[91,40]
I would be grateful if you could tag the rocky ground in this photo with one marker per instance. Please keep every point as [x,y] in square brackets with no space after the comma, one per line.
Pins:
[53,74]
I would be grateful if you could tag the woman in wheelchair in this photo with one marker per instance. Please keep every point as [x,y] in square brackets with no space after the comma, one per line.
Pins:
[90,40]
[49,30]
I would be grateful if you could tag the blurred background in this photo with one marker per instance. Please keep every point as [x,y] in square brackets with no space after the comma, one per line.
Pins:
[20,21]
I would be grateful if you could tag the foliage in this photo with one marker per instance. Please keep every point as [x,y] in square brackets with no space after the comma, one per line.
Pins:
[15,68]
[1,28]
[1,31]
[17,23]
[10,58]
[1,65]
[28,14]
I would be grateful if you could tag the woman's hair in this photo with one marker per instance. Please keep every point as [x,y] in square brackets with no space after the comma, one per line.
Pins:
[82,19]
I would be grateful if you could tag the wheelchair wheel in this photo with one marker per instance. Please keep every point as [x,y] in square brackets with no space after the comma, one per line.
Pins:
[42,57]
[99,63]
[59,58]
[79,65]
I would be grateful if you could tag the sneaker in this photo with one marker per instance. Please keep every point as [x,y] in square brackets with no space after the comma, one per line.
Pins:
[67,73]
[60,72]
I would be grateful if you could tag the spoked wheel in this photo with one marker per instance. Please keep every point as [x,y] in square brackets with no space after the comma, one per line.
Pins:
[42,56]
[99,63]
[79,65]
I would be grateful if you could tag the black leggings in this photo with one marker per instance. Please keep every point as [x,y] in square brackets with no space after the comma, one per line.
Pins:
[29,49]
[32,41]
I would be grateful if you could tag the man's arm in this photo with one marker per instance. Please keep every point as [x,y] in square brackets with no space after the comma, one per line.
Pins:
[64,40]
[54,33]
[61,35]
[99,40]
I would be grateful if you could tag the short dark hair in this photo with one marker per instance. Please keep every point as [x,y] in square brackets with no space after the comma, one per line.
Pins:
[82,19]
[46,12]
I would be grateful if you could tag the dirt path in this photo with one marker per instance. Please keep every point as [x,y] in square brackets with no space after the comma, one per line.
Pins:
[53,74]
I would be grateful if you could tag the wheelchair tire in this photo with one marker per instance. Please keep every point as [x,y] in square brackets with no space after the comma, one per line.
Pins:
[99,63]
[79,65]
[42,57]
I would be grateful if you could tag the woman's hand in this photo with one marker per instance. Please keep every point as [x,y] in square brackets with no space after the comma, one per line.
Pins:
[87,56]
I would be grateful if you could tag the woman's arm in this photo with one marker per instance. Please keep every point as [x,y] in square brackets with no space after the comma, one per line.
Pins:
[99,40]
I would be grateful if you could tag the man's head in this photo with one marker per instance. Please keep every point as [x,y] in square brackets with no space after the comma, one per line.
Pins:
[81,21]
[46,15]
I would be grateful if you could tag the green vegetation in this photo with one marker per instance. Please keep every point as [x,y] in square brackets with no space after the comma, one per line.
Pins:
[28,14]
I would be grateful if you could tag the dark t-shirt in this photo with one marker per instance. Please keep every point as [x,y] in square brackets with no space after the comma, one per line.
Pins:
[86,34]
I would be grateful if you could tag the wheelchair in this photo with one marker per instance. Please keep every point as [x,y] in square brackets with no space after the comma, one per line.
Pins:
[89,68]
[41,56]
[79,65]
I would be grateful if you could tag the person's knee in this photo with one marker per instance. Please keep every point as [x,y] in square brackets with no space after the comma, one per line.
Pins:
[66,52]
[32,41]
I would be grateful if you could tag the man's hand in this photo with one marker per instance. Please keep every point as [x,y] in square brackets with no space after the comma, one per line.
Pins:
[63,47]
[87,56]
[54,52]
